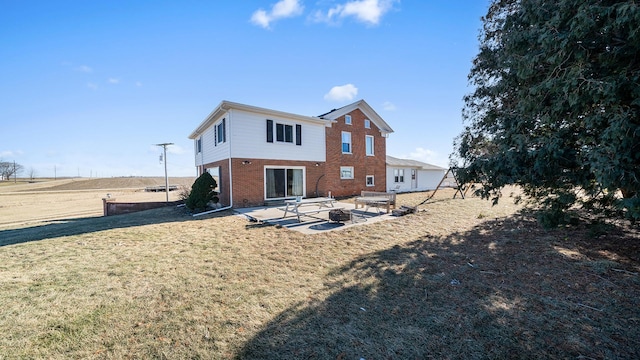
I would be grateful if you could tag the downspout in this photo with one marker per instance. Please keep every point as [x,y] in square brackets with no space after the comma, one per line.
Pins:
[212,211]
[317,183]
[230,171]
[230,183]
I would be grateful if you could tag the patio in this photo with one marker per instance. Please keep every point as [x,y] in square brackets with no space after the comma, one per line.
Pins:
[314,223]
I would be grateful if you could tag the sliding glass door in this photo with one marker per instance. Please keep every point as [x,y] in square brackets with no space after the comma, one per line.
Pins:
[284,182]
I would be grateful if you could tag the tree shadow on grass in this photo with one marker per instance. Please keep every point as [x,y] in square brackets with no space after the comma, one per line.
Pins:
[70,227]
[506,289]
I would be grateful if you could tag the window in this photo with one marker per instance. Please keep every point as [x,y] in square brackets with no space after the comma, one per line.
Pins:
[199,145]
[398,175]
[270,131]
[370,181]
[284,133]
[280,132]
[220,132]
[346,172]
[369,145]
[346,142]
[284,182]
[367,124]
[215,174]
[347,119]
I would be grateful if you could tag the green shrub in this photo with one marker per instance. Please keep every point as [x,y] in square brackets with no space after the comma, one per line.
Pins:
[201,192]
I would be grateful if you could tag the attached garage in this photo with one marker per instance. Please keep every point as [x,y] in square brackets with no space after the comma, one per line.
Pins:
[405,175]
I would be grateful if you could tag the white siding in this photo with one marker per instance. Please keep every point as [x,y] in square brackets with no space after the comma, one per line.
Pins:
[211,152]
[249,138]
[427,179]
[403,186]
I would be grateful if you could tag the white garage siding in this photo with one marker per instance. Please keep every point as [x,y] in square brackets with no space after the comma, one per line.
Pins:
[404,175]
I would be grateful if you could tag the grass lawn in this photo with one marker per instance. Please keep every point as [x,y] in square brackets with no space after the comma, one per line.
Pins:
[461,279]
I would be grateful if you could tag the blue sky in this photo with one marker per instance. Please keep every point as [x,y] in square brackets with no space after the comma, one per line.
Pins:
[87,87]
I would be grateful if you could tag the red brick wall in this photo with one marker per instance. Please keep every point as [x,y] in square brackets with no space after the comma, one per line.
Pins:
[223,184]
[248,179]
[362,165]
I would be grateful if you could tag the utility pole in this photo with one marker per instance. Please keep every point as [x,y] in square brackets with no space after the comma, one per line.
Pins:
[166,179]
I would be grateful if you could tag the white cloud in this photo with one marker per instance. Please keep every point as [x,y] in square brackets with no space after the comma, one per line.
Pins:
[9,153]
[367,11]
[92,86]
[176,149]
[280,10]
[341,93]
[113,81]
[427,156]
[84,69]
[389,106]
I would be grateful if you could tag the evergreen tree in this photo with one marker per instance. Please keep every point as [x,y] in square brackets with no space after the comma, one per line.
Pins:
[201,192]
[556,105]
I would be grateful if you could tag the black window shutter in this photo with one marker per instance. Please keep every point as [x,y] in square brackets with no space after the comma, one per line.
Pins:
[298,134]
[270,131]
[215,135]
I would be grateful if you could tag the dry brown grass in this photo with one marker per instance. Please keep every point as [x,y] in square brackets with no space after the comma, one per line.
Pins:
[461,279]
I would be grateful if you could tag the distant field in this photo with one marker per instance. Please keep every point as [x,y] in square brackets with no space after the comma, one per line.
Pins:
[45,200]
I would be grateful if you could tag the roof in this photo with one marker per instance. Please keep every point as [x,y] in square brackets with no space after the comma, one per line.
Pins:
[366,109]
[393,161]
[225,106]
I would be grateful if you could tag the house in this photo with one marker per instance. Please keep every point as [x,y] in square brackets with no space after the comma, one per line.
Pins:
[260,155]
[405,175]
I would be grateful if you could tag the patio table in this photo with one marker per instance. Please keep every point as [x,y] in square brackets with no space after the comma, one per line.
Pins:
[323,204]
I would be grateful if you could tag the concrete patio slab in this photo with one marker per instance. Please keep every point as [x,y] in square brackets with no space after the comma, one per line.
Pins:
[313,223]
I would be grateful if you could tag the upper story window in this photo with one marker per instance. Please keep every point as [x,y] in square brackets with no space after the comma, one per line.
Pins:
[284,133]
[369,144]
[347,119]
[367,124]
[220,131]
[199,145]
[346,142]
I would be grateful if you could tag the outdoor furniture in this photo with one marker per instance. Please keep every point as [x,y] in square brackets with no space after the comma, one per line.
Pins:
[321,204]
[339,215]
[404,210]
[377,199]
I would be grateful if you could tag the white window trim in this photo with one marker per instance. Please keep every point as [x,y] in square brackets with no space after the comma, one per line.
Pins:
[398,179]
[347,178]
[350,143]
[216,132]
[373,180]
[373,152]
[284,133]
[367,124]
[347,119]
[264,179]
